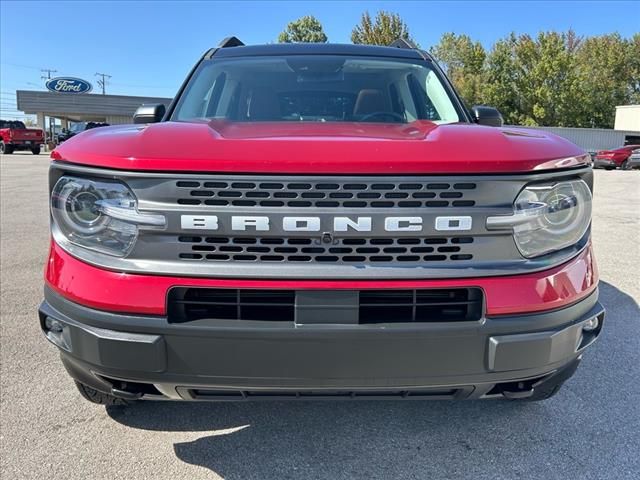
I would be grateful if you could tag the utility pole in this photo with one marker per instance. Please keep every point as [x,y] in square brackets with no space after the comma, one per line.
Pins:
[48,72]
[47,76]
[102,82]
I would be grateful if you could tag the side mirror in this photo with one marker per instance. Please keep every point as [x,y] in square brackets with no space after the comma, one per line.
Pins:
[149,113]
[487,116]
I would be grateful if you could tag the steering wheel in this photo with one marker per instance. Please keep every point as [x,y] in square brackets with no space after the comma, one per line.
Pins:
[394,115]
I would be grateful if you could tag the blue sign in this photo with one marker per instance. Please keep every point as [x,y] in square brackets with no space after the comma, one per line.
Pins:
[68,85]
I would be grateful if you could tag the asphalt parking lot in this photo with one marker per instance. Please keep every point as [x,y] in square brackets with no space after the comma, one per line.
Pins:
[590,430]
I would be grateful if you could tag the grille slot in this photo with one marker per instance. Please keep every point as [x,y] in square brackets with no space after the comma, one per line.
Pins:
[187,304]
[347,250]
[401,306]
[325,195]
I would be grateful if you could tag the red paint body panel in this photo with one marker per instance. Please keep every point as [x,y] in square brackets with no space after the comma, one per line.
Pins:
[279,148]
[10,135]
[617,155]
[146,294]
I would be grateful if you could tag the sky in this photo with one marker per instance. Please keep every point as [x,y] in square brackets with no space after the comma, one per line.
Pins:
[148,47]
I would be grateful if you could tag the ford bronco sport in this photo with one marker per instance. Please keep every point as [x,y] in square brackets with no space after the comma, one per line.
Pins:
[319,221]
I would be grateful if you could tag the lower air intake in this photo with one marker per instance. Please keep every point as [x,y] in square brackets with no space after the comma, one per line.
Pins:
[357,306]
[255,395]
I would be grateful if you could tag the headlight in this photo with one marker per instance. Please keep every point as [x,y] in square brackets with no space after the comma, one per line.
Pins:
[98,215]
[548,217]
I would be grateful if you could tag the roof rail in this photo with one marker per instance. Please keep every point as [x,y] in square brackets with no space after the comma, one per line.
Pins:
[407,44]
[230,42]
[404,43]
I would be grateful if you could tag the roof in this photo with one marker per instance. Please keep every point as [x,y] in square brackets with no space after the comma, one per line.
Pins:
[318,49]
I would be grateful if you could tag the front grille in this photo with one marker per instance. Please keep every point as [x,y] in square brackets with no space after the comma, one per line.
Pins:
[345,250]
[326,194]
[209,233]
[369,306]
[215,247]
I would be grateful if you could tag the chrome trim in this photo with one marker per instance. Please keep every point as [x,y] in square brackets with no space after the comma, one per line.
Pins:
[534,209]
[130,215]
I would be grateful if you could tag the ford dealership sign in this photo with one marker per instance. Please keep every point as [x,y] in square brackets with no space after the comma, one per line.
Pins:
[68,85]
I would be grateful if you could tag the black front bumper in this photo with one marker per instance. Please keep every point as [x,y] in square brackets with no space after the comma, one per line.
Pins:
[147,356]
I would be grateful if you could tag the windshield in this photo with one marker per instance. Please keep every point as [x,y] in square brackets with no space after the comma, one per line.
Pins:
[316,88]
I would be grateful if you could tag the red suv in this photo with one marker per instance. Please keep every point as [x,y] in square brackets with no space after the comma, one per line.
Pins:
[319,221]
[616,158]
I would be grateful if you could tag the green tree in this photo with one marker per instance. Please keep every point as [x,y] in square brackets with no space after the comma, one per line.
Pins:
[500,80]
[553,79]
[606,75]
[464,62]
[386,28]
[633,55]
[533,81]
[307,29]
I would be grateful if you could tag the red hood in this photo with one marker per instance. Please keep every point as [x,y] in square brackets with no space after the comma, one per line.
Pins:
[317,148]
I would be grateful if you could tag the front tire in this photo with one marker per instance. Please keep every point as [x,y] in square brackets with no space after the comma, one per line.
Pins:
[97,397]
[624,166]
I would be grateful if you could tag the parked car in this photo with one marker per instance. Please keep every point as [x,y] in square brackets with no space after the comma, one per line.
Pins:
[634,160]
[66,134]
[319,221]
[615,158]
[14,136]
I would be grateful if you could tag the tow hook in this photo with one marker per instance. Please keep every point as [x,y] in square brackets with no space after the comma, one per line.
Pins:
[518,390]
[125,394]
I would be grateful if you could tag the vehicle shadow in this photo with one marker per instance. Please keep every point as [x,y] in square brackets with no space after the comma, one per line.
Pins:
[416,439]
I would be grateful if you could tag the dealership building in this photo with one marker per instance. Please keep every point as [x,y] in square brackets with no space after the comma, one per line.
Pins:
[112,109]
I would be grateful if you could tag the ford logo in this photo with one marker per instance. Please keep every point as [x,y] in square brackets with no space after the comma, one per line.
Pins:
[68,85]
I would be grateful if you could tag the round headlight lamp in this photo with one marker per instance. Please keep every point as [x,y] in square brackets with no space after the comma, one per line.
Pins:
[547,217]
[76,206]
[97,215]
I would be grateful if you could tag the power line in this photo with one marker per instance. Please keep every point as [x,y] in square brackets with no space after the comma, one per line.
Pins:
[20,66]
[103,81]
[48,72]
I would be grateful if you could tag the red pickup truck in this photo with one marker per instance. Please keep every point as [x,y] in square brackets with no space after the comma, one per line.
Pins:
[14,135]
[319,221]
